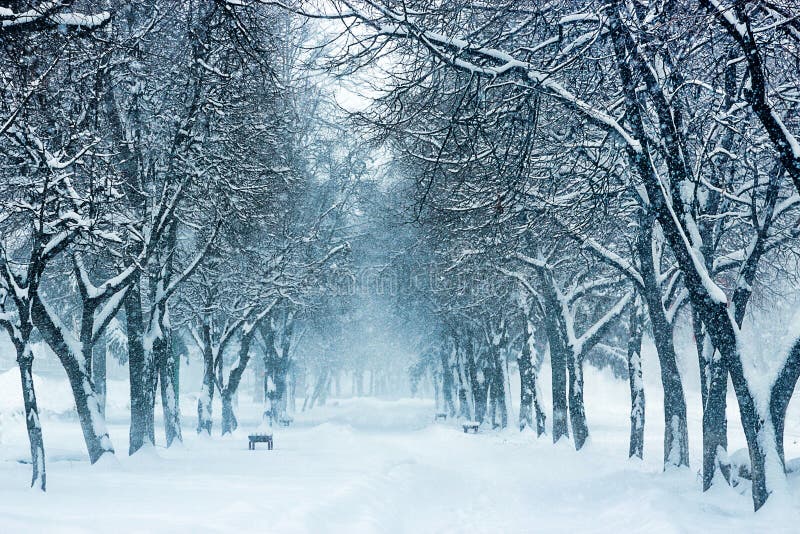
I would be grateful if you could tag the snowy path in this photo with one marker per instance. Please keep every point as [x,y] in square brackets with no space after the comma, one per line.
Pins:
[369,466]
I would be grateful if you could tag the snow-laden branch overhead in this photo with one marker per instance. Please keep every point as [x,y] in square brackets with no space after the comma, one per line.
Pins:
[52,13]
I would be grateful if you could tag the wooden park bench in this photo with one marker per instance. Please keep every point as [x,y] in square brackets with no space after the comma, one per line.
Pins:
[285,421]
[440,416]
[259,438]
[470,425]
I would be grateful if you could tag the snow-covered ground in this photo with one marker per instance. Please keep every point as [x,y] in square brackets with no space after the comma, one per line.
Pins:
[369,465]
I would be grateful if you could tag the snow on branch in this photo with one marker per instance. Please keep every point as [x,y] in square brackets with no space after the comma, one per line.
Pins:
[533,262]
[612,258]
[592,335]
[782,138]
[521,279]
[50,13]
[466,56]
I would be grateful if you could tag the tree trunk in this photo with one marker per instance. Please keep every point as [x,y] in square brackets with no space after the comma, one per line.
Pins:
[25,362]
[99,366]
[577,411]
[635,333]
[291,391]
[558,364]
[715,422]
[437,394]
[558,356]
[527,380]
[450,394]
[142,429]
[206,397]
[478,381]
[500,410]
[229,421]
[359,382]
[761,431]
[538,410]
[714,390]
[529,402]
[279,378]
[676,441]
[337,390]
[325,390]
[258,380]
[676,435]
[448,406]
[480,392]
[168,365]
[490,377]
[320,389]
[708,303]
[781,394]
[93,424]
[464,405]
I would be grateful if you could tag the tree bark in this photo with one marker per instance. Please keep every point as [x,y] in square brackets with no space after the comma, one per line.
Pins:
[477,381]
[99,371]
[714,389]
[206,397]
[93,423]
[448,406]
[498,390]
[635,332]
[19,334]
[529,398]
[480,393]
[558,356]
[715,421]
[526,393]
[320,392]
[464,405]
[229,421]
[32,423]
[168,365]
[676,433]
[258,380]
[142,428]
[577,411]
[676,440]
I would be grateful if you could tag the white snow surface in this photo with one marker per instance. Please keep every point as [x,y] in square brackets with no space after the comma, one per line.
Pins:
[370,465]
